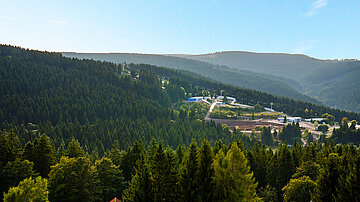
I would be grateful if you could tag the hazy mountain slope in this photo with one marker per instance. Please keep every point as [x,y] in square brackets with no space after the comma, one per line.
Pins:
[244,79]
[284,65]
[333,82]
[337,85]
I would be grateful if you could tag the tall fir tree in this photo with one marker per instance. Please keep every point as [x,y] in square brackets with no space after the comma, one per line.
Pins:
[188,174]
[205,173]
[328,181]
[74,149]
[233,179]
[140,188]
[42,153]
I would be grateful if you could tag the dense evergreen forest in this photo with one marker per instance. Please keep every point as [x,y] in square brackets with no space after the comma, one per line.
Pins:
[41,172]
[83,130]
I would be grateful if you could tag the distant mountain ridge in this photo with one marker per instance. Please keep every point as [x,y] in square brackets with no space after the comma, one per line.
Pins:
[236,77]
[333,82]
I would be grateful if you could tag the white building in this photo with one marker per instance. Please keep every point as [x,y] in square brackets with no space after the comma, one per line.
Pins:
[290,119]
[230,99]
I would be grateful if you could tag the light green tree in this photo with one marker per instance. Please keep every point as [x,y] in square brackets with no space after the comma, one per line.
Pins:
[28,190]
[233,179]
[299,189]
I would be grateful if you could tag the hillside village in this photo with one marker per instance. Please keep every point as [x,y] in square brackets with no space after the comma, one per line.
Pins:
[249,118]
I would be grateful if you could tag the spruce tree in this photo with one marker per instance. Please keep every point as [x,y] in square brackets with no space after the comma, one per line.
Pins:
[42,153]
[286,166]
[163,174]
[205,173]
[140,187]
[74,149]
[233,179]
[328,181]
[111,180]
[188,174]
[349,184]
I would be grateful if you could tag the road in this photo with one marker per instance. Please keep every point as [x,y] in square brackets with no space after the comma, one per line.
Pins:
[210,110]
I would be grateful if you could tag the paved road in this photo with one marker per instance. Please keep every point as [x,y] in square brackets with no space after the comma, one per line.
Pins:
[210,110]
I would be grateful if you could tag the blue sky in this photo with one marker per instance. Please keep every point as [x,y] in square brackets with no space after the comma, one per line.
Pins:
[319,28]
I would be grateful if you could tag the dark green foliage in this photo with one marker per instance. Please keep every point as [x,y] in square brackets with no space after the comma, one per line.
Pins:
[346,134]
[13,172]
[111,180]
[164,175]
[252,97]
[140,188]
[259,164]
[10,147]
[268,193]
[290,133]
[188,174]
[129,159]
[206,172]
[349,183]
[266,136]
[328,181]
[286,166]
[91,107]
[73,179]
[42,153]
[74,149]
[308,168]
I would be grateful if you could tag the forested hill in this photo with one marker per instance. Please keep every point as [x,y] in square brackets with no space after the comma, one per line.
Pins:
[244,79]
[45,93]
[332,82]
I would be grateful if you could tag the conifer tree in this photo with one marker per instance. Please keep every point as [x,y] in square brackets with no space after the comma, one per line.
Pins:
[328,181]
[206,172]
[164,175]
[286,166]
[349,184]
[307,168]
[10,147]
[111,180]
[266,137]
[233,179]
[42,153]
[140,187]
[188,174]
[129,158]
[14,172]
[74,149]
